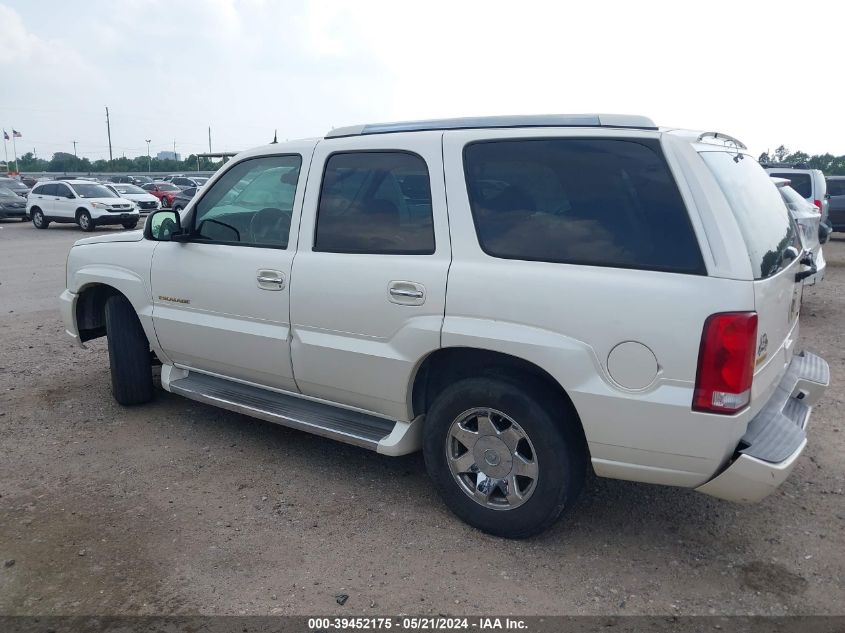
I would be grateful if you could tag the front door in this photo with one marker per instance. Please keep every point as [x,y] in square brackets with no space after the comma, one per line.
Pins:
[221,300]
[370,273]
[64,203]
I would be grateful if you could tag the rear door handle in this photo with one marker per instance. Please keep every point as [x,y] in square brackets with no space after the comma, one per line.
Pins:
[408,293]
[270,279]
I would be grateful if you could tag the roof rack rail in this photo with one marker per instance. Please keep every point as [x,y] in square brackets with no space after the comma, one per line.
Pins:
[465,123]
[722,137]
[785,166]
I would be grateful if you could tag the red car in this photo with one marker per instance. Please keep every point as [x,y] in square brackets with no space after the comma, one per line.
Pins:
[164,191]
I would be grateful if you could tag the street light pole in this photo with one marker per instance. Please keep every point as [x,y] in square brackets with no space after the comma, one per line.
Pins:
[149,160]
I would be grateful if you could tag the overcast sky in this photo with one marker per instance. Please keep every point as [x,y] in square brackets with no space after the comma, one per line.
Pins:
[765,72]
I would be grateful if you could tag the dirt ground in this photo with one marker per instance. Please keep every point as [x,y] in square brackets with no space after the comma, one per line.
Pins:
[177,507]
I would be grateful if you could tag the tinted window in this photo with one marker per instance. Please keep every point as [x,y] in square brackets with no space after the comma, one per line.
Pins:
[93,191]
[800,182]
[63,190]
[597,202]
[189,192]
[41,190]
[148,187]
[375,202]
[836,187]
[759,210]
[251,203]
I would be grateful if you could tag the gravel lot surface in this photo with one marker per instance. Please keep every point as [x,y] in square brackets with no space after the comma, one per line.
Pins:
[177,507]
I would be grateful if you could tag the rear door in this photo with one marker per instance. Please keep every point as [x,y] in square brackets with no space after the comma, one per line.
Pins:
[42,197]
[369,288]
[771,236]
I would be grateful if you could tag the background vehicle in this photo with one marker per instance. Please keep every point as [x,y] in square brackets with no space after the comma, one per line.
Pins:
[12,205]
[808,218]
[29,181]
[81,202]
[504,293]
[186,182]
[15,185]
[145,201]
[809,183]
[183,198]
[164,191]
[170,177]
[836,190]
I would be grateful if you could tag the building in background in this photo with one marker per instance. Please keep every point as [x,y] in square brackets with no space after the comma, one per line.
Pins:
[168,156]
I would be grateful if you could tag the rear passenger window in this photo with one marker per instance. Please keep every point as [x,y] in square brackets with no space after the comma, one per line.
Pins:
[597,202]
[375,202]
[800,182]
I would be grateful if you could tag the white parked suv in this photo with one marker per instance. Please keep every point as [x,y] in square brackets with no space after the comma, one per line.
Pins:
[519,297]
[88,204]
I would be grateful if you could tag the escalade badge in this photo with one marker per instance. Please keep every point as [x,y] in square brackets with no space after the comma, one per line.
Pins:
[173,299]
[762,349]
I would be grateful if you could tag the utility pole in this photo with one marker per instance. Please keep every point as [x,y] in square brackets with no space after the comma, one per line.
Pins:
[74,151]
[149,159]
[209,139]
[108,130]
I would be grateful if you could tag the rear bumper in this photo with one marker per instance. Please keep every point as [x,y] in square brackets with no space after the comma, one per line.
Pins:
[776,436]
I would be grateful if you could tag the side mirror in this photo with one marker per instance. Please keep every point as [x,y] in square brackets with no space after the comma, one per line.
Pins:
[162,225]
[69,196]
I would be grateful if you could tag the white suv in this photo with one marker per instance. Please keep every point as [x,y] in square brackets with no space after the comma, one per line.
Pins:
[88,204]
[519,297]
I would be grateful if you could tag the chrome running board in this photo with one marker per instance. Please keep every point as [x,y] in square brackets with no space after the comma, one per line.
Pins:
[352,427]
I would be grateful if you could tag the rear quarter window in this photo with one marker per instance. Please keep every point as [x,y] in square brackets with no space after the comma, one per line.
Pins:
[597,202]
[760,211]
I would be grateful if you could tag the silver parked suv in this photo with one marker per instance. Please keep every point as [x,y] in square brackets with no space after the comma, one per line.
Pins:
[520,297]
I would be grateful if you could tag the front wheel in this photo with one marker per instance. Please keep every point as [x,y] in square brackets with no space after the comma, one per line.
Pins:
[129,353]
[505,454]
[130,225]
[165,203]
[85,222]
[38,219]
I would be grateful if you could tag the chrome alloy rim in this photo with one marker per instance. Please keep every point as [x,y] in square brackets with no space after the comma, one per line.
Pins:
[492,459]
[83,221]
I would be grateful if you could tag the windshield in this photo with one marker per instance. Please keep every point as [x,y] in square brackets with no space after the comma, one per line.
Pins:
[166,186]
[759,210]
[143,178]
[128,189]
[93,191]
[6,192]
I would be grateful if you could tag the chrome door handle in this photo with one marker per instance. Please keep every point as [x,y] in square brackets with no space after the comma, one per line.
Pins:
[270,279]
[413,294]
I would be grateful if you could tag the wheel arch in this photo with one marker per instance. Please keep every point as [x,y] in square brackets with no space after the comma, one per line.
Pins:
[90,309]
[447,365]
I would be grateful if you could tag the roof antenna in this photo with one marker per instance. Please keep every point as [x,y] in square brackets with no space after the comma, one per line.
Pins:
[275,136]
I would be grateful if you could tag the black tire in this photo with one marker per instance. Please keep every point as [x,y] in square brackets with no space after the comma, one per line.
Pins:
[165,204]
[177,208]
[554,434]
[130,225]
[83,219]
[38,219]
[129,353]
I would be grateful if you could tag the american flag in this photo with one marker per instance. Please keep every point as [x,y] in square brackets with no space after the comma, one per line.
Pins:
[5,135]
[15,133]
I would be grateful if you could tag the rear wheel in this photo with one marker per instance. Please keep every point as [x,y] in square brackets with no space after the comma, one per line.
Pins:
[38,219]
[165,203]
[505,454]
[83,219]
[129,353]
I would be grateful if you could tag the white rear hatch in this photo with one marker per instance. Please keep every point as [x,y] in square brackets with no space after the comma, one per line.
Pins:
[770,235]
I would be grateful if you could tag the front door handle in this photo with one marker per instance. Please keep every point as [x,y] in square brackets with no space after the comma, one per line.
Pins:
[270,279]
[408,293]
[399,292]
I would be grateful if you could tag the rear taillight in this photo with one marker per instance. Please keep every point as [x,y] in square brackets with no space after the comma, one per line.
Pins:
[726,362]
[818,204]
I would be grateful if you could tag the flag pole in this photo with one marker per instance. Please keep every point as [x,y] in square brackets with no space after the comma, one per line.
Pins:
[6,149]
[15,151]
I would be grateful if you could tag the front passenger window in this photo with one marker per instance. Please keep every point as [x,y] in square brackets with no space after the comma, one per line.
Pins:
[251,204]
